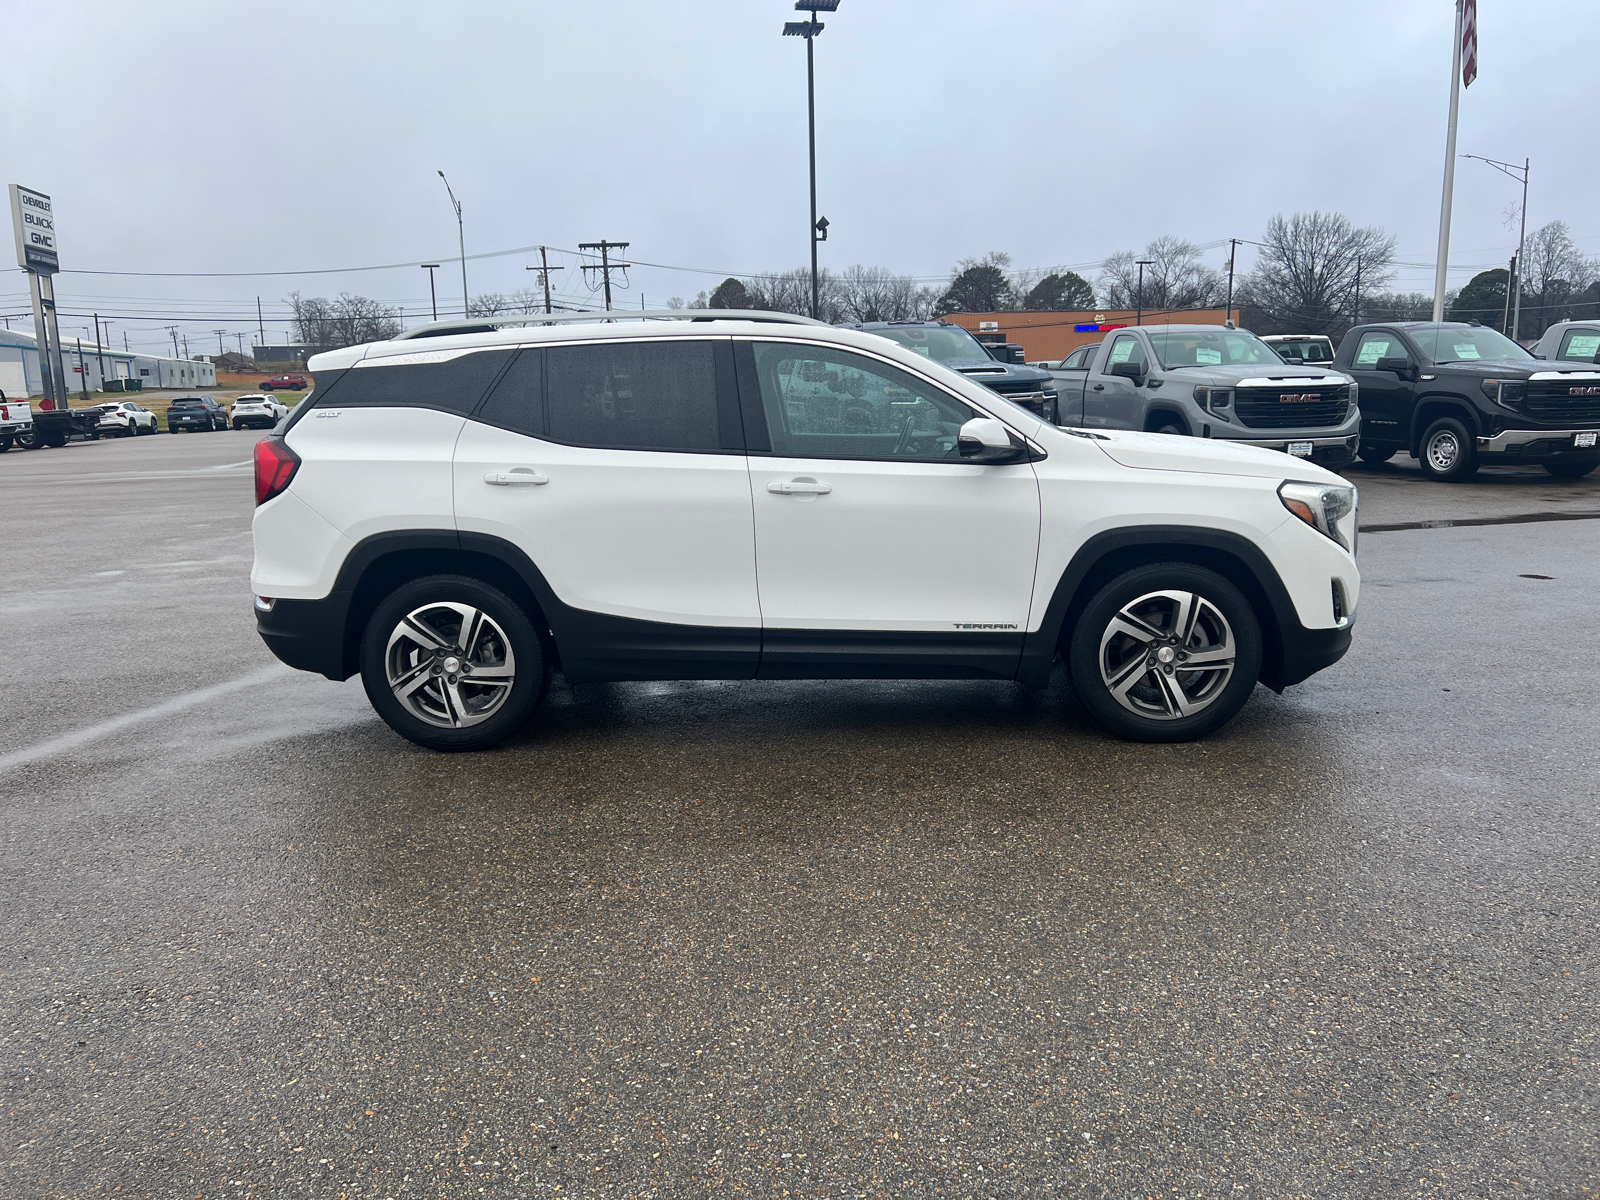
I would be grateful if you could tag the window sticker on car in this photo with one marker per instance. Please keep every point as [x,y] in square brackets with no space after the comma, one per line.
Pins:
[1467,351]
[1208,358]
[1583,345]
[1371,352]
[1123,350]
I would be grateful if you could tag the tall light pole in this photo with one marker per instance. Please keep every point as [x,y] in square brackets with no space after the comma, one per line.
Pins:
[461,237]
[1143,263]
[1521,175]
[430,268]
[809,30]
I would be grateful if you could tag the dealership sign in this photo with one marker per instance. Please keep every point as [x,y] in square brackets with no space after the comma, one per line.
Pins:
[34,220]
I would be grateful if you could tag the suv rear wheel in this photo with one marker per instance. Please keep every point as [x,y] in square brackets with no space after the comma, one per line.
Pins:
[1165,653]
[1449,453]
[452,663]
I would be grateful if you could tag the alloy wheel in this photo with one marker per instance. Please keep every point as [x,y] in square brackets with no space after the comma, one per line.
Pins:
[450,664]
[1167,655]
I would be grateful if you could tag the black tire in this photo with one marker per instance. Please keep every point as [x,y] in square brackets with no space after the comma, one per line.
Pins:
[507,626]
[28,441]
[1170,426]
[1100,657]
[266,387]
[238,425]
[5,444]
[1570,470]
[1448,452]
[1376,454]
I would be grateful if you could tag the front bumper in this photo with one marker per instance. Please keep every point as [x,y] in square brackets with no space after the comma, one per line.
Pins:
[1325,451]
[1533,445]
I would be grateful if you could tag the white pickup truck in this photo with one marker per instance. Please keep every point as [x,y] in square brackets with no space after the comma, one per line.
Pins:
[16,423]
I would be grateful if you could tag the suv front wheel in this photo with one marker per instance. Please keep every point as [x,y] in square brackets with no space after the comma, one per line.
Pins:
[452,663]
[1165,653]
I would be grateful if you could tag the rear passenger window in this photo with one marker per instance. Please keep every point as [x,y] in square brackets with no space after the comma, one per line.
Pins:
[443,379]
[633,395]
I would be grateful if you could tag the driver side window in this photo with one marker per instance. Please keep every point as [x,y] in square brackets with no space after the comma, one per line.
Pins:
[1126,349]
[826,403]
[1376,346]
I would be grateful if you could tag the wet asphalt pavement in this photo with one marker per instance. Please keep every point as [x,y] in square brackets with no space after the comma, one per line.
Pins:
[790,939]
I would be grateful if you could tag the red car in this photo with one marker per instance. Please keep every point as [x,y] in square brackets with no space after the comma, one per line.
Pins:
[295,383]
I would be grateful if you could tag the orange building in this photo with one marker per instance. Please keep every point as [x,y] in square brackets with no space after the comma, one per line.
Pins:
[1047,336]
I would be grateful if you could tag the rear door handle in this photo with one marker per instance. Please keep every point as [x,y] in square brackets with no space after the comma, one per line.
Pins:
[516,477]
[799,487]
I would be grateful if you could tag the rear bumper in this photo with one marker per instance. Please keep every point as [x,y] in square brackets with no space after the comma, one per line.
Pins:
[309,635]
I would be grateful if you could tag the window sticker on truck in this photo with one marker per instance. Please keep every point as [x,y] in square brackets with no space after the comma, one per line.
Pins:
[1467,351]
[1371,351]
[1208,358]
[1579,346]
[1123,350]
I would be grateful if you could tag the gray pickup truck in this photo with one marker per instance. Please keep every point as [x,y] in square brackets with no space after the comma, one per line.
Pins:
[1209,381]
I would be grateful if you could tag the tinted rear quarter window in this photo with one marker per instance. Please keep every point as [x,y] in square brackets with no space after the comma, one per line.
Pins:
[453,385]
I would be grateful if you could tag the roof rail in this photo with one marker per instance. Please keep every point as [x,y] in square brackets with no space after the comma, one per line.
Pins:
[487,324]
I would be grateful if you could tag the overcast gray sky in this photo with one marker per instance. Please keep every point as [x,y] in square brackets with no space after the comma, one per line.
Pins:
[253,137]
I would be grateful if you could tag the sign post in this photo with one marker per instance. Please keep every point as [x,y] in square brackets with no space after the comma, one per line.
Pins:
[34,222]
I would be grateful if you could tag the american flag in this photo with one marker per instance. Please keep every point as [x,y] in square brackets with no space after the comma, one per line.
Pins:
[1469,42]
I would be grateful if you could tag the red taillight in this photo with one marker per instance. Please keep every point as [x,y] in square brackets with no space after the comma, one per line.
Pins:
[275,467]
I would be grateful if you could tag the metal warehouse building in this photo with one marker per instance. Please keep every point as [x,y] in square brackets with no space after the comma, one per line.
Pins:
[90,366]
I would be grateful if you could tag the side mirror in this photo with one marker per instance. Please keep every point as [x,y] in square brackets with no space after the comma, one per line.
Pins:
[1400,366]
[986,440]
[1128,370]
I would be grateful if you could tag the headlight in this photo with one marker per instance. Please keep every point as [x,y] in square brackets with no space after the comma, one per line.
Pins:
[1329,508]
[1505,391]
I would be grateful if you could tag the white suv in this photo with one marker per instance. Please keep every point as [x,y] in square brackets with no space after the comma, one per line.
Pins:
[717,495]
[260,410]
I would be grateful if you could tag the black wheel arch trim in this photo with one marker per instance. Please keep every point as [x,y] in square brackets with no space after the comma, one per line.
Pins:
[1291,652]
[1434,405]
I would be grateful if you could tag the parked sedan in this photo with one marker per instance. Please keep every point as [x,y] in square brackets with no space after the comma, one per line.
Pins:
[257,412]
[124,419]
[196,413]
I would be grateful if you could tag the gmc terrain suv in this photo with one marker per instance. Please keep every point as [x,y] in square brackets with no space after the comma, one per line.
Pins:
[723,495]
[1457,396]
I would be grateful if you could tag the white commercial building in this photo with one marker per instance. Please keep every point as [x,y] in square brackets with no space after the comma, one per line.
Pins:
[88,365]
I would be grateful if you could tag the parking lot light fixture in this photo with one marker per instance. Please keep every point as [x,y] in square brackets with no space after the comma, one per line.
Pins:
[809,30]
[461,238]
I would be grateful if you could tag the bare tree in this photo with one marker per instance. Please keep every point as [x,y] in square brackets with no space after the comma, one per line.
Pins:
[1555,276]
[1305,278]
[490,304]
[1174,279]
[349,320]
[877,294]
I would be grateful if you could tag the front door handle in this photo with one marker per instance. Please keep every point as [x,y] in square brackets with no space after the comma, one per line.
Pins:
[799,487]
[516,477]
[1099,387]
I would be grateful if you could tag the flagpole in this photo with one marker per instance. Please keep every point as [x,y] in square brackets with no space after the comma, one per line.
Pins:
[1449,174]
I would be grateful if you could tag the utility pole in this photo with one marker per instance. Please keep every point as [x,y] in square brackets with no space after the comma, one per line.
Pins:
[1355,315]
[1143,263]
[1505,311]
[261,326]
[544,268]
[125,342]
[99,353]
[186,346]
[606,265]
[173,330]
[461,238]
[221,349]
[430,268]
[1233,253]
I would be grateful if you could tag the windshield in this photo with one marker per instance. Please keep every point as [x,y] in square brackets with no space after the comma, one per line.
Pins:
[1465,343]
[944,343]
[1211,348]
